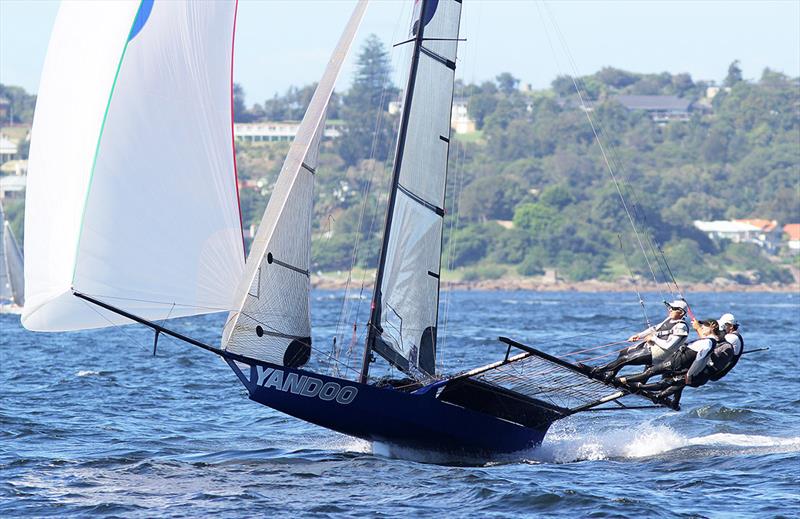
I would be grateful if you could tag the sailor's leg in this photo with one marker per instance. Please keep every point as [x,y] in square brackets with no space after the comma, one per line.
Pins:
[662,384]
[634,357]
[658,369]
[676,388]
[637,358]
[623,354]
[677,399]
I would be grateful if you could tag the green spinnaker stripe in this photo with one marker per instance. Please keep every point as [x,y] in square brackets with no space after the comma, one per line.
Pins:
[99,139]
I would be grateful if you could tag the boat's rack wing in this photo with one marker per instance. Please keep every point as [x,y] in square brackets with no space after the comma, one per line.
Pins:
[560,384]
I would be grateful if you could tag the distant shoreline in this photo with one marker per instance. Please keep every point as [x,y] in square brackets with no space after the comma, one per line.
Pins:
[534,285]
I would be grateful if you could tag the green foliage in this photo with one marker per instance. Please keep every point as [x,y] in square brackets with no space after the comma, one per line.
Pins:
[492,198]
[334,253]
[509,246]
[689,262]
[734,74]
[537,219]
[749,257]
[535,160]
[469,244]
[15,214]
[483,272]
[365,105]
[21,105]
[531,265]
[240,112]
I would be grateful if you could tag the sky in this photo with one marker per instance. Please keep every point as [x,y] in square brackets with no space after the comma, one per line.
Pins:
[280,43]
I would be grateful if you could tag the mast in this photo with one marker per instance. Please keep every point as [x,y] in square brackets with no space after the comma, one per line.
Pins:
[374,324]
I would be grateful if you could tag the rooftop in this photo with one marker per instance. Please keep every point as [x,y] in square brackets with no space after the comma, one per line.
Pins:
[654,103]
[793,230]
[764,225]
[725,226]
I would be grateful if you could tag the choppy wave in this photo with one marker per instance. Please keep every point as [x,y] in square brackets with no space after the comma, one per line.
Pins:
[92,423]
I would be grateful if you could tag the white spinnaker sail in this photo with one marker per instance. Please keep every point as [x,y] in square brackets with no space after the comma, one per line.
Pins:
[132,193]
[410,284]
[273,321]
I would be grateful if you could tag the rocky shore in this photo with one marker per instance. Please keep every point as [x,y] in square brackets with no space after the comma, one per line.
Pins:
[539,284]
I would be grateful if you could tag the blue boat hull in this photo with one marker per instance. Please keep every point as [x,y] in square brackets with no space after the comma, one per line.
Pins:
[417,420]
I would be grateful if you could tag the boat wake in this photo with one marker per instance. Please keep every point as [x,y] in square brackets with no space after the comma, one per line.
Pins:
[652,440]
[644,441]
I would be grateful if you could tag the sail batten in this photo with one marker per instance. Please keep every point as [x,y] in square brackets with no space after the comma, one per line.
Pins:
[272,319]
[404,320]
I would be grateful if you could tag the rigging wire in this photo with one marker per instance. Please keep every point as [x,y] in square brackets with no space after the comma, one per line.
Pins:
[639,214]
[346,309]
[585,109]
[633,279]
[576,82]
[458,188]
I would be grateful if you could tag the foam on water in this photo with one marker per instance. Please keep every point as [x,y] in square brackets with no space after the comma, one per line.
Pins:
[647,440]
[87,373]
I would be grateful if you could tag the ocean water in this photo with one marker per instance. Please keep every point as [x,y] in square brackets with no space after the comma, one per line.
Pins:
[92,424]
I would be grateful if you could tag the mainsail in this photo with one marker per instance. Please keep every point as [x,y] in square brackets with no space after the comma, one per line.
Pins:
[406,300]
[272,321]
[11,265]
[132,192]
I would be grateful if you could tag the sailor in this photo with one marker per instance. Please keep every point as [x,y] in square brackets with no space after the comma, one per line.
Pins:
[721,360]
[686,367]
[727,353]
[660,341]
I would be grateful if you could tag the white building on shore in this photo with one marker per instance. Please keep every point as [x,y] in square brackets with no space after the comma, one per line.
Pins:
[276,131]
[764,233]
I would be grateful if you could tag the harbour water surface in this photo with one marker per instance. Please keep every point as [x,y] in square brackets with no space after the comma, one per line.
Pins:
[91,423]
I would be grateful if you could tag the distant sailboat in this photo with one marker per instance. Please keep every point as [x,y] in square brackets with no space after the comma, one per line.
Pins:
[148,228]
[12,282]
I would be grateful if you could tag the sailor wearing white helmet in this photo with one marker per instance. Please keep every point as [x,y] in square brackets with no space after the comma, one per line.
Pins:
[727,353]
[660,341]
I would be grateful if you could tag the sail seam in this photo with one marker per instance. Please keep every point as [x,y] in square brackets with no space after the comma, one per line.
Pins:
[99,140]
[441,59]
[435,208]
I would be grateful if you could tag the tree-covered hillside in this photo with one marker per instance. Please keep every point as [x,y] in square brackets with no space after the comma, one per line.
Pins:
[534,160]
[530,190]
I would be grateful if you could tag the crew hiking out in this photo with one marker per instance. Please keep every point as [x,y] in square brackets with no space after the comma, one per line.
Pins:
[658,343]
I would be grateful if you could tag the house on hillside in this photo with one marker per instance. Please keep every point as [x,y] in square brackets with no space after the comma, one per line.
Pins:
[460,120]
[14,167]
[764,233]
[792,233]
[459,117]
[277,131]
[12,187]
[8,149]
[660,108]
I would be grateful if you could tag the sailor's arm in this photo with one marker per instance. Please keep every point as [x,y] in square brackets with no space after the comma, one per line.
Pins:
[696,326]
[647,331]
[669,342]
[700,360]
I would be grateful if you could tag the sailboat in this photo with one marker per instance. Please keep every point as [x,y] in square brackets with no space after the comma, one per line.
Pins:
[149,229]
[12,283]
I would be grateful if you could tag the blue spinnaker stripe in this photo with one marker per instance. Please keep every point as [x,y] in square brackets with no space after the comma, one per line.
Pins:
[141,17]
